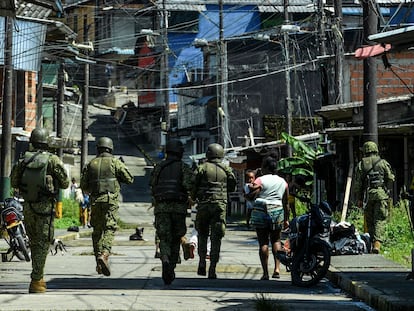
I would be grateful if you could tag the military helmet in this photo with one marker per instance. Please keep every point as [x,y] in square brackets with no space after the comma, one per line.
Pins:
[105,142]
[215,151]
[174,146]
[370,147]
[39,135]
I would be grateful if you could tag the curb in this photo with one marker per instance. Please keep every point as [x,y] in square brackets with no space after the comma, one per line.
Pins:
[74,235]
[374,298]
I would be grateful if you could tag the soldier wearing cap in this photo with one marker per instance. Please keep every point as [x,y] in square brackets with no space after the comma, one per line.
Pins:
[101,178]
[39,175]
[170,184]
[373,178]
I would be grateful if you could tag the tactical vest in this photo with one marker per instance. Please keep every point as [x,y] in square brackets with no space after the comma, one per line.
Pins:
[36,184]
[102,178]
[168,182]
[213,187]
[374,177]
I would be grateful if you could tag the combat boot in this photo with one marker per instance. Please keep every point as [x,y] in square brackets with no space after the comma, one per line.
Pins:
[202,267]
[37,287]
[103,262]
[43,283]
[186,250]
[376,247]
[212,271]
[168,274]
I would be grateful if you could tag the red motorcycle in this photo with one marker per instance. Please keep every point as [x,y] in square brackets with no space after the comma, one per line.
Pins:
[13,229]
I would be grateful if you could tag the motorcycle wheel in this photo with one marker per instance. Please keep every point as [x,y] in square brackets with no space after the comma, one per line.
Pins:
[309,272]
[21,249]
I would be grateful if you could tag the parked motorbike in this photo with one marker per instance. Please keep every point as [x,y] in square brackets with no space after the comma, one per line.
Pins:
[307,250]
[13,229]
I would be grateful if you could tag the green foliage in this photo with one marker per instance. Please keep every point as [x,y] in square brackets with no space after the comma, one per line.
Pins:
[70,215]
[399,238]
[301,163]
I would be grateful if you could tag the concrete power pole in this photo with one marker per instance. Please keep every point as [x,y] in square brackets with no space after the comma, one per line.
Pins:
[289,108]
[223,114]
[6,137]
[85,103]
[370,76]
[164,69]
[339,64]
[59,107]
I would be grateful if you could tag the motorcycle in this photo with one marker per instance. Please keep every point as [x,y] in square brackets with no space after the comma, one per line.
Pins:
[13,229]
[307,251]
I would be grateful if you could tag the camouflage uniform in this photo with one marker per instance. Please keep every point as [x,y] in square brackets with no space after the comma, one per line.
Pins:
[170,184]
[39,216]
[372,178]
[104,203]
[213,181]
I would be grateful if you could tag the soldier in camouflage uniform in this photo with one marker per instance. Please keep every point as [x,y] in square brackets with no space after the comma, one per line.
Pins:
[101,178]
[40,199]
[213,181]
[373,177]
[170,184]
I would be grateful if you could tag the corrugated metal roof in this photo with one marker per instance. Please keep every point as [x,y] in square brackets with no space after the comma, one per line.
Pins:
[31,10]
[399,38]
[298,6]
[291,8]
[184,7]
[234,2]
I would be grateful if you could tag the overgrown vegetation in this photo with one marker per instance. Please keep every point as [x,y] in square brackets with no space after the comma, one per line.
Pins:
[70,215]
[398,240]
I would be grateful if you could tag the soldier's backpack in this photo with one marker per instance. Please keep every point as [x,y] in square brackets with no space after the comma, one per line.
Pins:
[36,184]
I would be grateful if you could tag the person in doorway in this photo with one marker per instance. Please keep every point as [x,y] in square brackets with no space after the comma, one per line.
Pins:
[170,184]
[101,179]
[38,176]
[212,183]
[272,191]
[373,179]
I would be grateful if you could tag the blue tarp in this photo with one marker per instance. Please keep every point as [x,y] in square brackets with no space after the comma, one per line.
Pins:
[237,20]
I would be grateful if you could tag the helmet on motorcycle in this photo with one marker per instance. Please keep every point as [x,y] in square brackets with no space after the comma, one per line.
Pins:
[214,151]
[39,136]
[105,143]
[174,146]
[369,147]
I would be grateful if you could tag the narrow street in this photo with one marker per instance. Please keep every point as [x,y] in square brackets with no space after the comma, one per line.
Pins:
[135,282]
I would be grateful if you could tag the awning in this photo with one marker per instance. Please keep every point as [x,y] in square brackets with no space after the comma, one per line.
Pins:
[203,101]
[398,38]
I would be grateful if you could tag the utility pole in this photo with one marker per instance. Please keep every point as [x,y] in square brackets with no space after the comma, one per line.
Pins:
[164,69]
[39,97]
[223,74]
[339,64]
[289,108]
[322,22]
[6,136]
[370,76]
[85,103]
[59,108]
